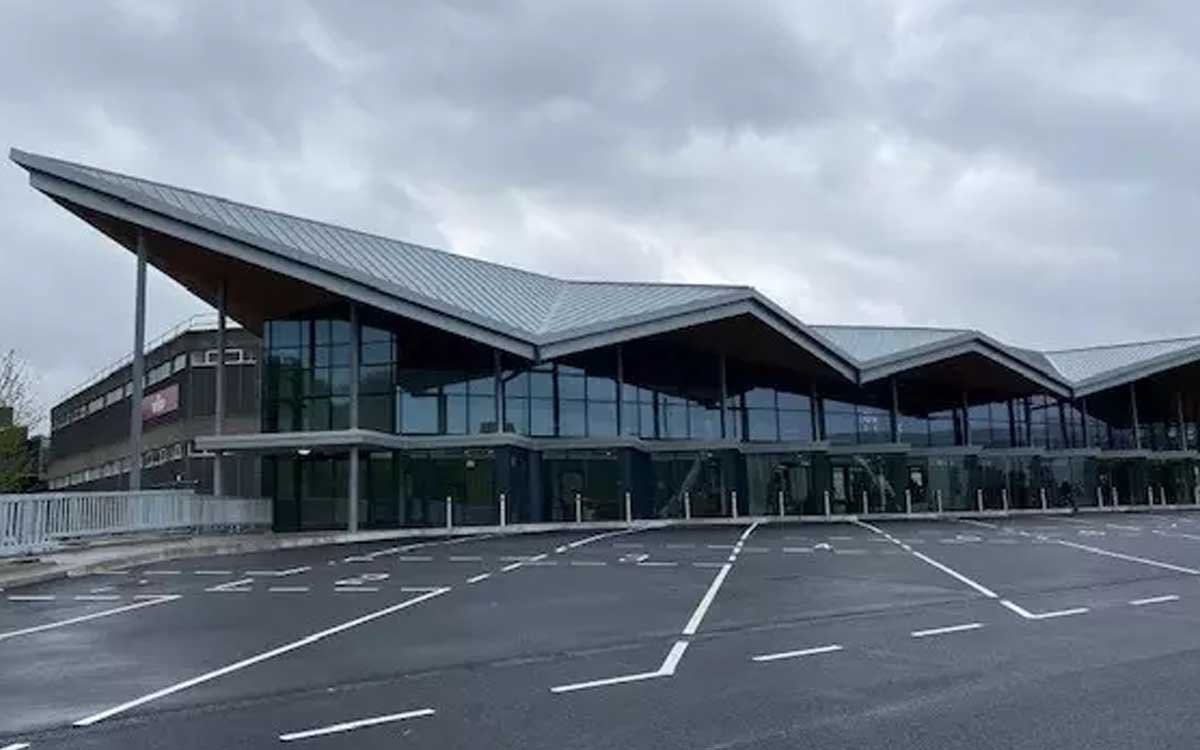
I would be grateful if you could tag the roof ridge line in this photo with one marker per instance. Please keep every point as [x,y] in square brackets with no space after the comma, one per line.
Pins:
[1123,345]
[893,328]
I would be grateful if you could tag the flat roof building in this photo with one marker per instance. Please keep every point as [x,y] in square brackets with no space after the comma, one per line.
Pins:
[397,376]
[90,427]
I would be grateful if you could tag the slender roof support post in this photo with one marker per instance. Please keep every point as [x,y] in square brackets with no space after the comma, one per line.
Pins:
[1062,424]
[724,394]
[1182,422]
[1087,438]
[966,419]
[219,409]
[498,389]
[817,409]
[1028,422]
[355,375]
[620,390]
[1012,425]
[895,412]
[1133,414]
[139,368]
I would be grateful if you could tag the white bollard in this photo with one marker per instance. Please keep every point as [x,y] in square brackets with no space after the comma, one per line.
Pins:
[687,506]
[1149,495]
[781,503]
[1042,495]
[828,508]
[979,500]
[1099,497]
[628,508]
[908,502]
[733,510]
[1116,500]
[449,513]
[937,495]
[866,508]
[503,511]
[1004,498]
[578,508]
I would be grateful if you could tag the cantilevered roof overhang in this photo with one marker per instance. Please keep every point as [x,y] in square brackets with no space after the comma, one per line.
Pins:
[277,264]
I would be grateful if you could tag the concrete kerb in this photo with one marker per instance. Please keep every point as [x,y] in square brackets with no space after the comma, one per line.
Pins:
[99,559]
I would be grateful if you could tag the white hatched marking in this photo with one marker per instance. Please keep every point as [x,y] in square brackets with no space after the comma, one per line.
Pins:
[946,630]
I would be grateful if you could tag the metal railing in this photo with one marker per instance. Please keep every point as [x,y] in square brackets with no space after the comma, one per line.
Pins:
[40,522]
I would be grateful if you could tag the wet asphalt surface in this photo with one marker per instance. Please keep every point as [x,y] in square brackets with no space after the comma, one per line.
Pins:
[1072,632]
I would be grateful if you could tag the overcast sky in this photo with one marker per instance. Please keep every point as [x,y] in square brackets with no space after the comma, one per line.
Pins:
[1029,171]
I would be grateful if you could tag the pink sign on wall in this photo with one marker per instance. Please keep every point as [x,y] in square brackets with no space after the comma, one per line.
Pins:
[160,402]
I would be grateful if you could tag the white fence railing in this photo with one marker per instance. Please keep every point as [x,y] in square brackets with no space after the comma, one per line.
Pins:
[39,522]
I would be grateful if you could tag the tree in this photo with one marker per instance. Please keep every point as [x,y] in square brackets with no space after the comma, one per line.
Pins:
[19,411]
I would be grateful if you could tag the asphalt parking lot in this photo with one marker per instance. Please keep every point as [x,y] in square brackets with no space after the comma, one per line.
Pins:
[1075,632]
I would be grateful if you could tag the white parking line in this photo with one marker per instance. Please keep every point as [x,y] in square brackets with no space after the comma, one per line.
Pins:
[588,563]
[653,564]
[944,631]
[1041,615]
[666,670]
[97,598]
[355,589]
[212,572]
[478,578]
[796,654]
[16,746]
[697,617]
[31,598]
[930,561]
[1129,558]
[415,558]
[288,589]
[233,586]
[162,572]
[466,558]
[307,640]
[85,618]
[1155,600]
[351,725]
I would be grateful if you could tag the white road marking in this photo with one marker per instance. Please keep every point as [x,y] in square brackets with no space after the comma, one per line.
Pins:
[597,537]
[466,558]
[1155,600]
[588,563]
[796,654]
[515,558]
[654,564]
[793,550]
[355,589]
[628,545]
[945,630]
[351,725]
[681,546]
[708,564]
[97,598]
[1130,558]
[212,572]
[478,578]
[719,546]
[288,589]
[849,552]
[236,586]
[31,597]
[1041,615]
[697,617]
[16,746]
[415,558]
[100,589]
[85,618]
[667,669]
[162,572]
[293,571]
[279,651]
[1123,528]
[841,538]
[930,561]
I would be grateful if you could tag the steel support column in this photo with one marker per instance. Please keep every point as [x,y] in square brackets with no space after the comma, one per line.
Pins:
[139,368]
[895,411]
[1133,414]
[497,390]
[1182,422]
[355,358]
[621,390]
[724,395]
[1087,438]
[219,408]
[966,419]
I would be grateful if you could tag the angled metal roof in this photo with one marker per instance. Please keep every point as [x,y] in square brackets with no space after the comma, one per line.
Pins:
[518,304]
[866,343]
[1097,367]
